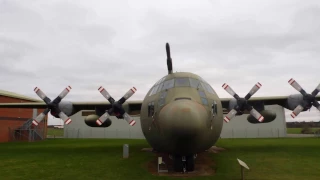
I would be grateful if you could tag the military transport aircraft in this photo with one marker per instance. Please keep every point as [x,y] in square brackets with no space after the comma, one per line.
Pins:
[181,115]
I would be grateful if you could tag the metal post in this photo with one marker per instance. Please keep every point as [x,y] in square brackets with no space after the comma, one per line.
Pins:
[125,151]
[242,173]
[242,166]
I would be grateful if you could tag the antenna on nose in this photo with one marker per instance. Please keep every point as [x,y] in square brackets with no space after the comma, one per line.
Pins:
[169,60]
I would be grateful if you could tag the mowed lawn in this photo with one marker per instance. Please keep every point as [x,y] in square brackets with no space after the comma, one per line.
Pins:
[276,159]
[55,132]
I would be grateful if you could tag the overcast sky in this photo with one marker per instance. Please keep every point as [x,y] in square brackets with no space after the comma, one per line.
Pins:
[120,44]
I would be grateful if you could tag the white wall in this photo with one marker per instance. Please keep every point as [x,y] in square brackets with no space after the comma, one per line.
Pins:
[238,127]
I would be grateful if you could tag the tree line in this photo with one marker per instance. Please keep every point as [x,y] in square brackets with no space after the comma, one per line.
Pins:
[303,124]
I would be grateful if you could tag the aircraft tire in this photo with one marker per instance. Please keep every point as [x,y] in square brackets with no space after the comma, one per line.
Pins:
[177,164]
[190,163]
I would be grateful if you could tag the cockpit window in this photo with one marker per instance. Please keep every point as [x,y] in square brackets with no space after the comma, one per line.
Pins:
[168,84]
[154,90]
[159,81]
[209,88]
[194,82]
[182,82]
[160,87]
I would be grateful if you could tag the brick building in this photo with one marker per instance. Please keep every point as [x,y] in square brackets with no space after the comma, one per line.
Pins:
[15,123]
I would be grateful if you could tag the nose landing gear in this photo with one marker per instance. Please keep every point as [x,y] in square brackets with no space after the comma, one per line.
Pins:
[183,164]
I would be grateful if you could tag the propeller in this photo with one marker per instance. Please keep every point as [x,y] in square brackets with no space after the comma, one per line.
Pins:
[52,106]
[116,108]
[242,103]
[309,100]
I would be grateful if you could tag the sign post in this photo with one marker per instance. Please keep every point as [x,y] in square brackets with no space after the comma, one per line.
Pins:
[242,165]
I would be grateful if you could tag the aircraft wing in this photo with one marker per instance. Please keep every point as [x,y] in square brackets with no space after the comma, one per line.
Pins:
[271,100]
[132,107]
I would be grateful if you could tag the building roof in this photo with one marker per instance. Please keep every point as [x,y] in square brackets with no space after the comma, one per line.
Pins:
[17,96]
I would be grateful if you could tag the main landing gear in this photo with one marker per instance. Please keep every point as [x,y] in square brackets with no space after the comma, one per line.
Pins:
[183,163]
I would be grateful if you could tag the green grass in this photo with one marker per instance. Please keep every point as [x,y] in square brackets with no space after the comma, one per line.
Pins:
[276,159]
[298,130]
[54,132]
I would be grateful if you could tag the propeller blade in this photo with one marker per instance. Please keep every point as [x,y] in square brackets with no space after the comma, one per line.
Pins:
[42,95]
[129,119]
[105,93]
[253,90]
[230,115]
[296,111]
[315,92]
[295,85]
[65,118]
[40,117]
[230,90]
[103,118]
[316,104]
[63,94]
[127,95]
[257,115]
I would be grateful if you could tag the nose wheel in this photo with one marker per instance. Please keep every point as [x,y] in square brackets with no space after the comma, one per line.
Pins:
[183,164]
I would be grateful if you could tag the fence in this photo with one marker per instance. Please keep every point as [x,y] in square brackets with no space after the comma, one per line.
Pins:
[22,132]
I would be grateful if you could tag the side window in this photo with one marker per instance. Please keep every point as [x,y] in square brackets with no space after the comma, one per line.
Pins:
[168,84]
[182,82]
[203,97]
[214,108]
[150,109]
[202,94]
[162,98]
[204,101]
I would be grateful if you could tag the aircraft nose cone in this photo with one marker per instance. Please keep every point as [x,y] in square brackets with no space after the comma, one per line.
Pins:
[183,118]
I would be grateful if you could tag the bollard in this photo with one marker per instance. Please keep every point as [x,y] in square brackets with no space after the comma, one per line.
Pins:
[125,151]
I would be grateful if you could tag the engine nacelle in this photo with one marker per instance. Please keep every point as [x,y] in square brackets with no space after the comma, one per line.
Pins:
[91,121]
[294,100]
[269,116]
[64,106]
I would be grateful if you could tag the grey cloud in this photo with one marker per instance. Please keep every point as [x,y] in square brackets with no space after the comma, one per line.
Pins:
[87,44]
[16,18]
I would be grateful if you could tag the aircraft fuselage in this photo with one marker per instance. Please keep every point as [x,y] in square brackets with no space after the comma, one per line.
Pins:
[181,115]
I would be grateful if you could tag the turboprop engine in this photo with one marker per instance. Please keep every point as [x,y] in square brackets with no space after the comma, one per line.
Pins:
[239,105]
[64,106]
[269,116]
